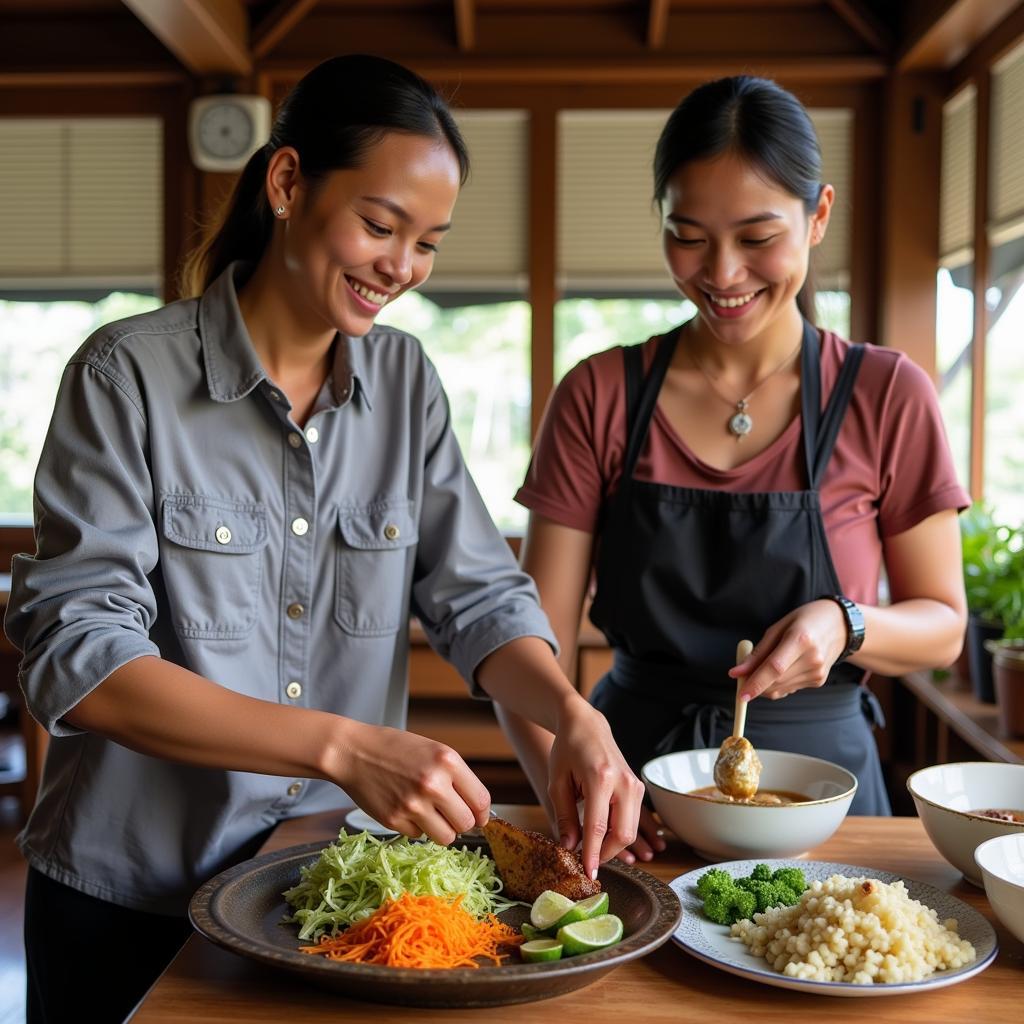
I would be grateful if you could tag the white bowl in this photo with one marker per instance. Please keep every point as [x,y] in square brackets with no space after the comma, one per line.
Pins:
[719,831]
[944,794]
[1002,867]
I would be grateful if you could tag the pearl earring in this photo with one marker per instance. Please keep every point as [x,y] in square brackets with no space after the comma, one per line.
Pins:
[279,212]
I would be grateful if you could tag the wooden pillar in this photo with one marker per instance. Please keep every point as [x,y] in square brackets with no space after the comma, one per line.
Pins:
[909,243]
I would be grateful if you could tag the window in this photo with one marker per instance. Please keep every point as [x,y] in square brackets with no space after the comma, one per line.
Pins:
[472,316]
[482,354]
[954,324]
[954,329]
[36,340]
[1004,382]
[81,203]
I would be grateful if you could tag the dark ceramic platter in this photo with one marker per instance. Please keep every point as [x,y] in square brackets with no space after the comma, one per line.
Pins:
[242,910]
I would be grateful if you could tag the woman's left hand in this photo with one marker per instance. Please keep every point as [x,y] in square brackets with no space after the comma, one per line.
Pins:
[796,652]
[586,764]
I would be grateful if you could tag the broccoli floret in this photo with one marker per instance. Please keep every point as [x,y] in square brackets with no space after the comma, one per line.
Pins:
[718,906]
[793,879]
[724,906]
[770,894]
[743,904]
[715,880]
[762,873]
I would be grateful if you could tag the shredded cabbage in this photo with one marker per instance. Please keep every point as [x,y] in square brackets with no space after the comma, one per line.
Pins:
[357,873]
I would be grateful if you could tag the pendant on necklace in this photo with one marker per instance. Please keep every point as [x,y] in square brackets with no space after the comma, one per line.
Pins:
[741,424]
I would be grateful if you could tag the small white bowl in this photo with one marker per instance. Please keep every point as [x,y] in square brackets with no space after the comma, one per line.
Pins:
[944,796]
[1002,867]
[719,831]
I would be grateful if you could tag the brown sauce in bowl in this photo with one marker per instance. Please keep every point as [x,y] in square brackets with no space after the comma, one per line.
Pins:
[1001,815]
[763,797]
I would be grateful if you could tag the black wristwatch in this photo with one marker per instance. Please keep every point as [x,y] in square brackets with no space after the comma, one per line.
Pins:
[854,624]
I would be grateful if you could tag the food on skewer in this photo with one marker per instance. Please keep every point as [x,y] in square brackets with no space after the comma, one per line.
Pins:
[738,768]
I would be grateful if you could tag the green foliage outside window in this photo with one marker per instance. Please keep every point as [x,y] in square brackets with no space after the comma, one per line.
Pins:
[36,341]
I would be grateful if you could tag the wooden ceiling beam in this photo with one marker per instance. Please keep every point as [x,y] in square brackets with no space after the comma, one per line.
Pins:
[864,23]
[947,37]
[657,23]
[465,24]
[828,70]
[209,37]
[281,19]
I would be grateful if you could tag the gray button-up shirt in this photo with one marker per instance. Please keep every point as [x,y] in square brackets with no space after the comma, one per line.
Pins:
[181,512]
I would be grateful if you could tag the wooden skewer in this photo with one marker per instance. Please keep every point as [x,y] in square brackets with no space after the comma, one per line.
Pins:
[743,649]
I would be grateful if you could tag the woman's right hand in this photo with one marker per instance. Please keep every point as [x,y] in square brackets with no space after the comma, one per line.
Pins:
[648,840]
[410,783]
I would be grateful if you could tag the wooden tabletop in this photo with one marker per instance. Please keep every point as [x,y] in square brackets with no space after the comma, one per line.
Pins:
[208,985]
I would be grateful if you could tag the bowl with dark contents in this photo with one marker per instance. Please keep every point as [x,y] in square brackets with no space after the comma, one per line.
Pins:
[965,803]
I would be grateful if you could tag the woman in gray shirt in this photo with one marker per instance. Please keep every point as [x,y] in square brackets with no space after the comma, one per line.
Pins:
[241,499]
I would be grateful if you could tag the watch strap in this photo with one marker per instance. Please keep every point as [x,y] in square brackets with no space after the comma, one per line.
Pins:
[854,625]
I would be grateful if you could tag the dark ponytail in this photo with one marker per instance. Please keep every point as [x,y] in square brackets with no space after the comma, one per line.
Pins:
[336,113]
[757,120]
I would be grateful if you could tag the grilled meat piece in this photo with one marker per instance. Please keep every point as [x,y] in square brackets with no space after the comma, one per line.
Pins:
[529,863]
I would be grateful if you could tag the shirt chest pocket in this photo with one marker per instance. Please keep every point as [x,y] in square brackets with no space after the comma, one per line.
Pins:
[213,564]
[373,570]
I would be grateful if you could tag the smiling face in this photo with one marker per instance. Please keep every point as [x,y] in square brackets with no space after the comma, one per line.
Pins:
[363,236]
[737,245]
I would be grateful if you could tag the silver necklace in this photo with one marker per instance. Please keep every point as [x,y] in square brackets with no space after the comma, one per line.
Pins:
[741,422]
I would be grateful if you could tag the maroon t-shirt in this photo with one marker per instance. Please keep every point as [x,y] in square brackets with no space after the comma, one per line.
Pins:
[891,467]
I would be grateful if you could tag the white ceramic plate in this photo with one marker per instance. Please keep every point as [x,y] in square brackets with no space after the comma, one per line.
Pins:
[711,943]
[360,821]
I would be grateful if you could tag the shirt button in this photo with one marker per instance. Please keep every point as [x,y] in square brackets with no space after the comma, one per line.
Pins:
[295,611]
[295,440]
[300,527]
[392,532]
[295,788]
[223,535]
[312,435]
[294,690]
[275,396]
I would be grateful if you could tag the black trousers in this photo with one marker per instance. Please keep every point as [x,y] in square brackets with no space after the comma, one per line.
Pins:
[88,959]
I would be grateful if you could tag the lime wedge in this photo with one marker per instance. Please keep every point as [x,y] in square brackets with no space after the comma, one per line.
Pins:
[586,936]
[532,933]
[548,909]
[539,950]
[584,910]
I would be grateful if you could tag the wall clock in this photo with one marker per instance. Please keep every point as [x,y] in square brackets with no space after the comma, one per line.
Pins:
[225,130]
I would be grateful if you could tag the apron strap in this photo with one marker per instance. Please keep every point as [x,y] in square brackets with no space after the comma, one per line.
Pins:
[810,395]
[640,417]
[832,420]
[632,355]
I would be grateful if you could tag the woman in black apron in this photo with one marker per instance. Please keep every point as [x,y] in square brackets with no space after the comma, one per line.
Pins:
[682,572]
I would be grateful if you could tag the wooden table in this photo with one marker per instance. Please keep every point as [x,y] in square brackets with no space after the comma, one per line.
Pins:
[208,985]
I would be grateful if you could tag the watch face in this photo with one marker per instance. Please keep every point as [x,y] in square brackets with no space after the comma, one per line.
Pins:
[225,130]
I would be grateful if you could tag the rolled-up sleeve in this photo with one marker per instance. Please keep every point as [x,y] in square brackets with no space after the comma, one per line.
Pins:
[83,605]
[468,592]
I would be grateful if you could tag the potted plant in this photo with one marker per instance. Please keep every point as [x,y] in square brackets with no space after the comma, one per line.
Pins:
[1008,651]
[995,595]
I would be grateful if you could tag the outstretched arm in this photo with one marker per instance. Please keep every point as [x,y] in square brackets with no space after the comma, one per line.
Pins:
[410,783]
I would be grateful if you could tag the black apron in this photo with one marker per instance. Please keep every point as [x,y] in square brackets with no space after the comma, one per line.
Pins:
[684,573]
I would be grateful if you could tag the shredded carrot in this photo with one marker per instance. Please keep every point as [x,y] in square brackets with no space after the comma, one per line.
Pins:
[420,931]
